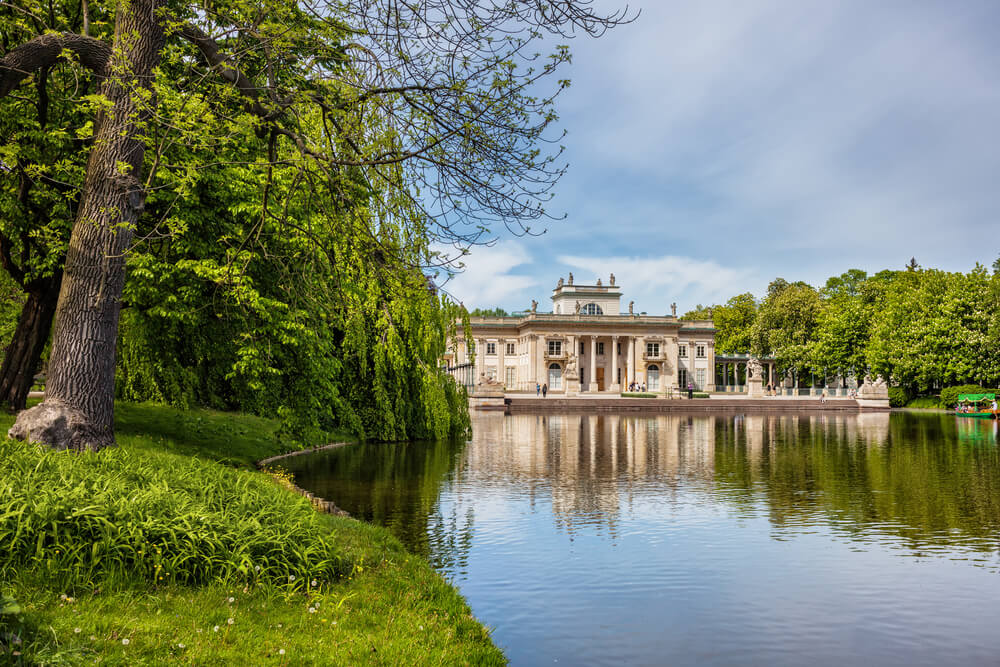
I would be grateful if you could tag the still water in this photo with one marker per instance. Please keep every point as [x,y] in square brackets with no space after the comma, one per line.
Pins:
[703,540]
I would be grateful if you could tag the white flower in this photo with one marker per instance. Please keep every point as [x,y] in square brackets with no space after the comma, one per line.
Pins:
[215,629]
[125,642]
[314,583]
[76,631]
[232,600]
[291,578]
[312,610]
[229,621]
[256,568]
[181,646]
[281,651]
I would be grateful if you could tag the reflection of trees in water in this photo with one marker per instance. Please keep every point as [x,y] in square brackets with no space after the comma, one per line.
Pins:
[910,476]
[396,485]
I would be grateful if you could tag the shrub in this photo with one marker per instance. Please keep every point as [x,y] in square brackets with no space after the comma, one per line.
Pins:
[924,402]
[699,394]
[155,518]
[949,395]
[898,397]
[637,394]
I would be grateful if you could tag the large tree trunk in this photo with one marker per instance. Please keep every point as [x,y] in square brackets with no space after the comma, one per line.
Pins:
[25,350]
[78,411]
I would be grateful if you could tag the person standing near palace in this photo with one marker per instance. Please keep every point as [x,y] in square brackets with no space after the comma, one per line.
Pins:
[545,390]
[538,389]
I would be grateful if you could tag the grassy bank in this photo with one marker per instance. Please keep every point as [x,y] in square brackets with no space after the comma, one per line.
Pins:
[171,549]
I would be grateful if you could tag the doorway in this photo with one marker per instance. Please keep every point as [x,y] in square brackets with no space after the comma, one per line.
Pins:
[600,379]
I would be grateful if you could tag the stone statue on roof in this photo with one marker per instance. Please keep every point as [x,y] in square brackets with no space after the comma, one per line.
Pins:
[577,308]
[612,280]
[534,306]
[673,309]
[598,282]
[560,283]
[631,307]
[570,278]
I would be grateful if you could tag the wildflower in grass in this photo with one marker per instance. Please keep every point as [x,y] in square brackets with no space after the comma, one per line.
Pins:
[291,578]
[314,583]
[125,642]
[312,610]
[232,600]
[229,621]
[256,568]
[181,646]
[215,629]
[281,651]
[76,631]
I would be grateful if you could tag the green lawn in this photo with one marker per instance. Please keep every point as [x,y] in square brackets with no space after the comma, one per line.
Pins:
[172,550]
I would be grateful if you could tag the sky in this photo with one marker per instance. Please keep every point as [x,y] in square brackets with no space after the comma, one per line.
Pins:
[714,146]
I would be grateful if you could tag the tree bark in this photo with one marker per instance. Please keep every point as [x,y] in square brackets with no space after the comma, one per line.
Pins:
[25,350]
[78,411]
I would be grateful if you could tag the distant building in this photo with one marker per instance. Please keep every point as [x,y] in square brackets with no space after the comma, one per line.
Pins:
[588,345]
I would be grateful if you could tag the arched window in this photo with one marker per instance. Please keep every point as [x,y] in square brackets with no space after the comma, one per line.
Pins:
[592,309]
[653,377]
[555,376]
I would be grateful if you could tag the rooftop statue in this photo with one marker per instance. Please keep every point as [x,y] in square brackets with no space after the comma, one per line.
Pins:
[534,306]
[570,278]
[598,282]
[673,309]
[560,283]
[577,307]
[631,307]
[612,279]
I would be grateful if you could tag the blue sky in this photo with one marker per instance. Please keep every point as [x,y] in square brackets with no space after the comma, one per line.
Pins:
[716,145]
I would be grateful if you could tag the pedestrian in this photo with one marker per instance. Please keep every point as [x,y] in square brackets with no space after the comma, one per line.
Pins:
[690,390]
[538,389]
[545,390]
[822,398]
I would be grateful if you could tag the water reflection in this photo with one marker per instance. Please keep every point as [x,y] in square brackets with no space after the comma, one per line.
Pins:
[709,539]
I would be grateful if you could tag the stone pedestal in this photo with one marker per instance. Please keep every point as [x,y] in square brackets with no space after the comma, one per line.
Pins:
[487,395]
[755,387]
[572,385]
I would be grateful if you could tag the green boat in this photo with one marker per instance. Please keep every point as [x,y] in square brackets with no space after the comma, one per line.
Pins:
[979,406]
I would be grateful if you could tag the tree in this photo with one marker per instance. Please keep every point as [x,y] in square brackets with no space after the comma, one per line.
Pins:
[489,312]
[442,95]
[786,323]
[734,323]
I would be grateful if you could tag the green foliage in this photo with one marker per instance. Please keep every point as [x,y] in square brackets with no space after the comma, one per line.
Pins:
[700,394]
[638,394]
[786,323]
[898,397]
[153,517]
[949,395]
[488,312]
[388,598]
[924,403]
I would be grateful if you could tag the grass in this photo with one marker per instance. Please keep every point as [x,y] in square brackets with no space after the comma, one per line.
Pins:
[157,553]
[637,394]
[925,403]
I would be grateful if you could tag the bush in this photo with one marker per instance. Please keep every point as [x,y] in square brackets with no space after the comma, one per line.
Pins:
[155,518]
[898,397]
[924,403]
[699,394]
[637,394]
[949,395]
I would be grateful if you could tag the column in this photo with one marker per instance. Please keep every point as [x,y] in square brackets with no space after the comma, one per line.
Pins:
[480,359]
[501,371]
[615,386]
[630,361]
[725,375]
[593,363]
[710,384]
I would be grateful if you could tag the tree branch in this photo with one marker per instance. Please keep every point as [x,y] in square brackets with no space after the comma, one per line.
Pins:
[47,50]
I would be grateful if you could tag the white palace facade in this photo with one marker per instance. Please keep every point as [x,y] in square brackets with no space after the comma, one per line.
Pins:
[586,344]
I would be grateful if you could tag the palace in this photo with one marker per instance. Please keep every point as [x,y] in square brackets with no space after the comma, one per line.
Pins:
[586,344]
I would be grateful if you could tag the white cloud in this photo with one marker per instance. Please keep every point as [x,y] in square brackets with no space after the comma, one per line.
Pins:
[656,282]
[488,279]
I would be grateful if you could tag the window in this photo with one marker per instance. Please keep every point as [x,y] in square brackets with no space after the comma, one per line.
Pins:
[700,375]
[510,348]
[592,309]
[555,348]
[682,351]
[582,348]
[682,378]
[510,377]
[491,348]
[619,348]
[600,348]
[491,372]
[700,351]
[653,350]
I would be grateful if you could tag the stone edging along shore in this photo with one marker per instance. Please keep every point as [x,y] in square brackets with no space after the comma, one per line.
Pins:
[319,503]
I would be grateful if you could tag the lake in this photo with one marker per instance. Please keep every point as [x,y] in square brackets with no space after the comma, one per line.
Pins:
[702,540]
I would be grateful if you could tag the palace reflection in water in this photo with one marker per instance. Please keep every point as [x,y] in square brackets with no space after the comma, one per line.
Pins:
[571,533]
